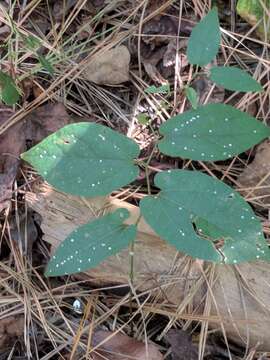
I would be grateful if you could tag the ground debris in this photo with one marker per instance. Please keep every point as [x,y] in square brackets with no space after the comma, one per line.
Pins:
[36,126]
[110,67]
[255,176]
[10,329]
[122,347]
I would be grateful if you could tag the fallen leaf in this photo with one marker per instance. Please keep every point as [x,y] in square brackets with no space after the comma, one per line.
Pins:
[202,86]
[110,67]
[182,347]
[35,127]
[44,121]
[61,8]
[257,175]
[11,328]
[11,145]
[162,28]
[122,347]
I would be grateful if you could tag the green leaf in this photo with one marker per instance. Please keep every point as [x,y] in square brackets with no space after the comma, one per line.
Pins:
[204,40]
[85,159]
[9,93]
[191,96]
[31,42]
[163,89]
[212,132]
[92,243]
[234,79]
[143,119]
[204,218]
[46,64]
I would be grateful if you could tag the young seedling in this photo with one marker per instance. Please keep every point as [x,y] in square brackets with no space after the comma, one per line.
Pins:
[195,213]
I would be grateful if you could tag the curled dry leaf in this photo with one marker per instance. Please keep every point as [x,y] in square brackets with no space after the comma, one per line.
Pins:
[122,347]
[36,126]
[255,179]
[109,67]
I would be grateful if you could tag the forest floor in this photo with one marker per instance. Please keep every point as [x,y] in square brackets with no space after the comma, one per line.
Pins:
[55,52]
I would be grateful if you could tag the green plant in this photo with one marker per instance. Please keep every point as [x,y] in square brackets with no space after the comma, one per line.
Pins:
[9,92]
[197,214]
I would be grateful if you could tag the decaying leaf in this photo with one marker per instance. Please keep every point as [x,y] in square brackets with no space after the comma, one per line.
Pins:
[36,126]
[202,86]
[255,179]
[122,347]
[109,67]
[10,329]
[253,12]
[182,347]
[11,145]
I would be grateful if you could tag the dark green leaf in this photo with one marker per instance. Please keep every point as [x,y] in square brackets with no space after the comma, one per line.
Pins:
[191,96]
[212,132]
[85,159]
[204,40]
[234,79]
[204,218]
[163,89]
[92,243]
[9,93]
[46,64]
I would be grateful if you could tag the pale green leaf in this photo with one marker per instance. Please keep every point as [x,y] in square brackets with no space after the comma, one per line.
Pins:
[234,79]
[85,159]
[212,132]
[192,96]
[204,218]
[90,244]
[204,40]
[143,119]
[163,89]
[46,64]
[9,93]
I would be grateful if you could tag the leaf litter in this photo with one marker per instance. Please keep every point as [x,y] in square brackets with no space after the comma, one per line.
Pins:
[37,125]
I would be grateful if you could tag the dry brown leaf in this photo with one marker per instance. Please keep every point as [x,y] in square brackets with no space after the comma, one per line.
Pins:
[11,145]
[182,347]
[122,347]
[35,127]
[203,85]
[257,175]
[10,328]
[111,67]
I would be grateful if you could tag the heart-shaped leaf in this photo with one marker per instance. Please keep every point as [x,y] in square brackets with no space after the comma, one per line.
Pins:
[204,218]
[234,79]
[8,93]
[85,159]
[92,243]
[212,132]
[204,40]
